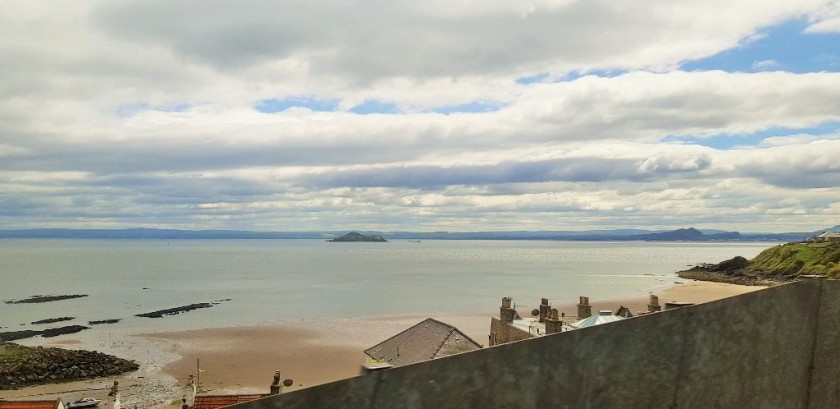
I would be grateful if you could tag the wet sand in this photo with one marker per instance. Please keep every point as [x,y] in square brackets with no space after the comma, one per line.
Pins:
[243,359]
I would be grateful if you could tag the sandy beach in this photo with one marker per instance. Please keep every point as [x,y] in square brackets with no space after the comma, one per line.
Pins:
[243,359]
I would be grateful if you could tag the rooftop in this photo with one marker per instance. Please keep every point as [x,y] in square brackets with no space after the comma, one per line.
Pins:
[603,317]
[427,340]
[218,401]
[29,404]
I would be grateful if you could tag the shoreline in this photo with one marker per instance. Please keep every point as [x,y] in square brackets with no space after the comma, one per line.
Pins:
[242,359]
[337,346]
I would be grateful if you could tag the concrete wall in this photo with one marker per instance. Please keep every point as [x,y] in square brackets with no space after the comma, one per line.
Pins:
[774,348]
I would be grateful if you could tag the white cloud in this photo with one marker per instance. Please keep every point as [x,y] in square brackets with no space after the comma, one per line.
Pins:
[142,113]
[765,64]
[825,19]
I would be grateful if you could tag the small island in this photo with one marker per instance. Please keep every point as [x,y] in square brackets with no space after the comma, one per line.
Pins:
[358,237]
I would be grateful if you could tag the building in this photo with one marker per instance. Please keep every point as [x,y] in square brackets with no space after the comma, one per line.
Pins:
[510,326]
[427,340]
[223,401]
[702,356]
[32,404]
[828,236]
[194,401]
[603,317]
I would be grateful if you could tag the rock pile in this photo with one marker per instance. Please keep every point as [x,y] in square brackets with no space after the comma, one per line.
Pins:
[24,366]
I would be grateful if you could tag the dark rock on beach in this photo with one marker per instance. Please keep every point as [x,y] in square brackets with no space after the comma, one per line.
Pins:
[71,329]
[177,310]
[25,366]
[108,321]
[15,335]
[47,333]
[45,298]
[52,320]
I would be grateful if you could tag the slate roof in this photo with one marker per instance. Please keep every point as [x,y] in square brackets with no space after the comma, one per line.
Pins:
[427,340]
[29,404]
[221,401]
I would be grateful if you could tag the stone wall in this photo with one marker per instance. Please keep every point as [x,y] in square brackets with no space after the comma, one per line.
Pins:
[774,348]
[502,333]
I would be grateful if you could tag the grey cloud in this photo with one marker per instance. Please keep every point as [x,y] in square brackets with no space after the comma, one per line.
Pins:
[106,158]
[811,165]
[590,169]
[675,163]
[387,38]
[798,178]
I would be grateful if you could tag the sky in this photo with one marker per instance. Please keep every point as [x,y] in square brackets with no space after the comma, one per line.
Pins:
[394,115]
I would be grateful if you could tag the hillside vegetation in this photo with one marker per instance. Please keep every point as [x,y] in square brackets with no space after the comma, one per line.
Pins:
[776,264]
[795,259]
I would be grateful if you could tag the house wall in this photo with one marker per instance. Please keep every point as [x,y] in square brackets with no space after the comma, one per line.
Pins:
[774,348]
[501,333]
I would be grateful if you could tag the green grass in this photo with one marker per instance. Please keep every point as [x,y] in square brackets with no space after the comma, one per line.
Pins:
[11,352]
[795,259]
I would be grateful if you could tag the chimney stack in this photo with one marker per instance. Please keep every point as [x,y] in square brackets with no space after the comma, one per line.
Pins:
[506,313]
[553,324]
[545,309]
[584,309]
[654,306]
[275,385]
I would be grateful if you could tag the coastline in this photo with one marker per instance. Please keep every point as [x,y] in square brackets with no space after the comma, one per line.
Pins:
[243,359]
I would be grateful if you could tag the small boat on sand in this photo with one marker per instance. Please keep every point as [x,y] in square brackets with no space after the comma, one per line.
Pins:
[84,403]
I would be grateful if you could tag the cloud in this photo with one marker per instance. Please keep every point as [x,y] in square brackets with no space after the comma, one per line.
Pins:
[384,39]
[765,65]
[825,19]
[398,115]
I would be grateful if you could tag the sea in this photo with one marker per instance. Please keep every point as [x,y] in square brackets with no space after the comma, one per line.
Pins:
[257,282]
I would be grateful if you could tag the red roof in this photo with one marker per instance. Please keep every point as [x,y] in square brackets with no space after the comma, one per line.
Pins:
[29,404]
[218,401]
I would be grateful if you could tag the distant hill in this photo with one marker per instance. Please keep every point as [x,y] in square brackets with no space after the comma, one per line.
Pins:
[687,234]
[358,237]
[780,263]
[690,234]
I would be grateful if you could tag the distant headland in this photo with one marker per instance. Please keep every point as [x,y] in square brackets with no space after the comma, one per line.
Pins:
[820,256]
[357,237]
[685,234]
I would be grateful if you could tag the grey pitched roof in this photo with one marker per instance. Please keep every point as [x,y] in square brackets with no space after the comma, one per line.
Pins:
[427,340]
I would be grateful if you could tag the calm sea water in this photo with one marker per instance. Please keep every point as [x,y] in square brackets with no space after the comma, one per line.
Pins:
[287,281]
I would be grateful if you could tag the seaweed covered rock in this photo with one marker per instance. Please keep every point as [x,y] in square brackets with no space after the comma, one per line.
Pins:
[25,366]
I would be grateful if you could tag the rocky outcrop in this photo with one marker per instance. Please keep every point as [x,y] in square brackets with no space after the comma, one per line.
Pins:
[178,310]
[108,321]
[52,320]
[45,298]
[777,264]
[47,333]
[25,366]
